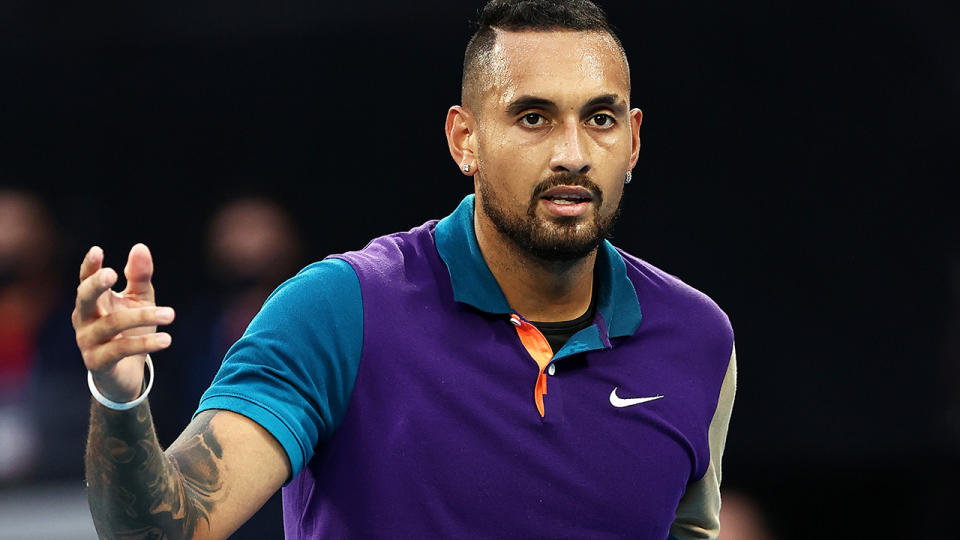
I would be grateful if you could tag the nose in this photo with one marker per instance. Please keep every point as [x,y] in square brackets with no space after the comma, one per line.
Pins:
[570,154]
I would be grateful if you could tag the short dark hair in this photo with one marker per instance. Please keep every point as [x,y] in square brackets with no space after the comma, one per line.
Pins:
[535,15]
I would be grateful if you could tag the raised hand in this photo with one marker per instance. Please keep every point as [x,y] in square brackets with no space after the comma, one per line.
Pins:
[115,330]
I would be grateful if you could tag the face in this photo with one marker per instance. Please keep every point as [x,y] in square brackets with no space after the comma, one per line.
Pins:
[554,140]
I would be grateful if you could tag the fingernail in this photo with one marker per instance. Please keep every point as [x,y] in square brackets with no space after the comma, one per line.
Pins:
[165,314]
[105,278]
[163,339]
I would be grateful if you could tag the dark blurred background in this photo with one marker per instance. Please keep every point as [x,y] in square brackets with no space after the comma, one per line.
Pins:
[798,165]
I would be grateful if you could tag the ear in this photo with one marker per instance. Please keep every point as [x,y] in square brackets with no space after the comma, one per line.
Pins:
[461,135]
[636,118]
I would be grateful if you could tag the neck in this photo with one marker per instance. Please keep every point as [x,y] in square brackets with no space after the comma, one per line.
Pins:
[539,290]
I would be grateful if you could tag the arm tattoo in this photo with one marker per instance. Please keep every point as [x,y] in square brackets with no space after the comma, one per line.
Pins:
[138,492]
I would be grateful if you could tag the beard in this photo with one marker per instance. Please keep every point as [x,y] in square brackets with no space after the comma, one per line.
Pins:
[561,239]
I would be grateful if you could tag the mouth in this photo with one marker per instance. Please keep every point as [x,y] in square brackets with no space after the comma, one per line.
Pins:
[567,201]
[567,195]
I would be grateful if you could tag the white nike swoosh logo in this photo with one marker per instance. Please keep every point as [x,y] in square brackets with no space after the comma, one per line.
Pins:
[618,401]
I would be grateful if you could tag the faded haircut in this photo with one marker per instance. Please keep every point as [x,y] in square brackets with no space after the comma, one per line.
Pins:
[532,15]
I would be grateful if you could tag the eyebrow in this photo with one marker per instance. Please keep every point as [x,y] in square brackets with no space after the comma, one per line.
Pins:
[523,103]
[611,101]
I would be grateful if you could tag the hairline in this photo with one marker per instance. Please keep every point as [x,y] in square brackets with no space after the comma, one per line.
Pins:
[472,70]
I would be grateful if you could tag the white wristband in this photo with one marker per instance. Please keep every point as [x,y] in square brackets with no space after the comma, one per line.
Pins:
[113,404]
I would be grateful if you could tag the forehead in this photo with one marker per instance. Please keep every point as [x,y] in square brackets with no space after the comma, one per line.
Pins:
[555,63]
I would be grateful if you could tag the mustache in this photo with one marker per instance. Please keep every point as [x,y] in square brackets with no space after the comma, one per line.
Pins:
[568,179]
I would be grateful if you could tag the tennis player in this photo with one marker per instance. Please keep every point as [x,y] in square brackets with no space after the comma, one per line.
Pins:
[502,372]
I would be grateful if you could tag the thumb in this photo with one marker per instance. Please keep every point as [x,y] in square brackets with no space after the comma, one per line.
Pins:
[139,271]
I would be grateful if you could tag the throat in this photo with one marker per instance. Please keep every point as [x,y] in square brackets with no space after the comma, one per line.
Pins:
[558,333]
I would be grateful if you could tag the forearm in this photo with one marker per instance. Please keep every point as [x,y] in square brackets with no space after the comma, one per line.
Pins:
[135,490]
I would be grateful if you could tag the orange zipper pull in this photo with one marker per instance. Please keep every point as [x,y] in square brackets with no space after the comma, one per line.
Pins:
[539,349]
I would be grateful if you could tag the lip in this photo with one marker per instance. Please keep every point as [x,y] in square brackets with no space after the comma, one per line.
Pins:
[565,209]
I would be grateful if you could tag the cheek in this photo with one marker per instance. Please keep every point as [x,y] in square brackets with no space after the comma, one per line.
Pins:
[613,188]
[504,166]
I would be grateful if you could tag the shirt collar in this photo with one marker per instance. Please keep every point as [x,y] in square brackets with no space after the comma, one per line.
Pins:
[474,284]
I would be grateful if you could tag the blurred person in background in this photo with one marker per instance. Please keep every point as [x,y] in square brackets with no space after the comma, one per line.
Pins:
[742,518]
[35,338]
[253,246]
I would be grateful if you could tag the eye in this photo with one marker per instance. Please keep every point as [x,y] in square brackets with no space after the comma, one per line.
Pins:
[601,120]
[532,120]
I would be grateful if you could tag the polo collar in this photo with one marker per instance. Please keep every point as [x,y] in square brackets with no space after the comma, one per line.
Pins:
[474,284]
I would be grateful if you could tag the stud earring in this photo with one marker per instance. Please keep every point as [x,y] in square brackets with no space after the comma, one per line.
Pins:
[466,167]
[629,177]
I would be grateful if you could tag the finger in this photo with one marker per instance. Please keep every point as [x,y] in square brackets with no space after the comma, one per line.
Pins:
[104,356]
[139,271]
[90,290]
[109,326]
[91,262]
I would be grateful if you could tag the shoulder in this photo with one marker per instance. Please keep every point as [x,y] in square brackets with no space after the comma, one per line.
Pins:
[327,287]
[665,295]
[330,271]
[322,278]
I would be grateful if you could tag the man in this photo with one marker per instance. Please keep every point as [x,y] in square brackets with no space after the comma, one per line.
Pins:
[504,372]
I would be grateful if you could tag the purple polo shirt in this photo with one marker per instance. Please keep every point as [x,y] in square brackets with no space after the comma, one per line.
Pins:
[405,395]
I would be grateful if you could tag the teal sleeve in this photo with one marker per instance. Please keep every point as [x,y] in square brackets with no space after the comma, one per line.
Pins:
[293,369]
